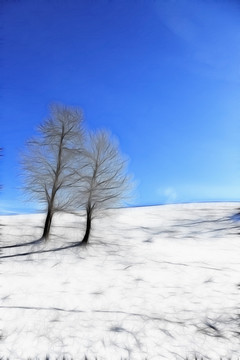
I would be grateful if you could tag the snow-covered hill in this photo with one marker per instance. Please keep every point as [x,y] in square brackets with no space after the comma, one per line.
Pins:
[158,282]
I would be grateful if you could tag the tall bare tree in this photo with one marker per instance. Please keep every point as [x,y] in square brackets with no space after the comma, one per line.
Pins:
[103,182]
[49,161]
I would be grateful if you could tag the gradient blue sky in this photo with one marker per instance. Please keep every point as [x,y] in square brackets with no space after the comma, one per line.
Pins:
[162,75]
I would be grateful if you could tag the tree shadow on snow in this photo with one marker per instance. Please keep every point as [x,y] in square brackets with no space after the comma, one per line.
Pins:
[72,245]
[33,242]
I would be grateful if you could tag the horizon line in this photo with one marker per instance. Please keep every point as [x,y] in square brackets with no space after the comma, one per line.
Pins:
[35,211]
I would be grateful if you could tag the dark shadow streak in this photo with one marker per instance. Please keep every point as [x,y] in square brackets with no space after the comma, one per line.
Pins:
[223,229]
[22,244]
[235,217]
[143,316]
[189,264]
[40,308]
[43,251]
[192,223]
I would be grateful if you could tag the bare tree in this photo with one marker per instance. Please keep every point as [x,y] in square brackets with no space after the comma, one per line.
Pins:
[49,160]
[103,182]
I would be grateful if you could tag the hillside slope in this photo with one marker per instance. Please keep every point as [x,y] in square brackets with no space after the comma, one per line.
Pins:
[158,282]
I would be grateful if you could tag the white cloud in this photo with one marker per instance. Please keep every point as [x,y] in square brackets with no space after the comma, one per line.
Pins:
[167,195]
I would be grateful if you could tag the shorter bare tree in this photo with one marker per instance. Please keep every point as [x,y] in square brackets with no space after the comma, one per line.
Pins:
[103,182]
[49,161]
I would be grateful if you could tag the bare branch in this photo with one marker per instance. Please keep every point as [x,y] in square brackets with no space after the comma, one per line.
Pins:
[51,159]
[103,182]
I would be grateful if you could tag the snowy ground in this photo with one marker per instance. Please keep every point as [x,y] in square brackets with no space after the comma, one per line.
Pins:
[157,282]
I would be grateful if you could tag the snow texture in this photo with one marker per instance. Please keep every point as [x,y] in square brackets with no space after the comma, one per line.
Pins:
[155,282]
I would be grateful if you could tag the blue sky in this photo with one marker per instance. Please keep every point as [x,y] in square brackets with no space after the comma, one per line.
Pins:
[161,75]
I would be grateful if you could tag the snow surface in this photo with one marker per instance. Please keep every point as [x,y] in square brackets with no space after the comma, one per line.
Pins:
[156,282]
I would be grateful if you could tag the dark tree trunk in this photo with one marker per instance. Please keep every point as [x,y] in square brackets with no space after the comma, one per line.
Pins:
[88,227]
[55,188]
[47,225]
